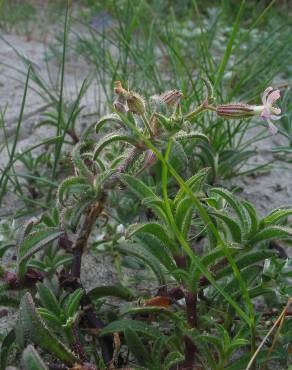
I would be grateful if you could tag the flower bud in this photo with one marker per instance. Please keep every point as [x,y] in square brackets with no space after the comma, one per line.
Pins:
[171,98]
[136,103]
[120,229]
[119,88]
[120,107]
[150,158]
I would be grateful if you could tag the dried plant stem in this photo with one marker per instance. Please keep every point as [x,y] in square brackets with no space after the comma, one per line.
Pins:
[279,322]
[276,337]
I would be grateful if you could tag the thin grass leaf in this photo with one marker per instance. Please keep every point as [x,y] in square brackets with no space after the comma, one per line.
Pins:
[12,152]
[229,46]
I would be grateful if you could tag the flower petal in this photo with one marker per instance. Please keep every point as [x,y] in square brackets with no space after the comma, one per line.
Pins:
[266,93]
[275,118]
[275,95]
[276,110]
[266,114]
[272,128]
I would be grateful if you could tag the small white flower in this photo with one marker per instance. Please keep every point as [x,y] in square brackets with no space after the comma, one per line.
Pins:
[120,229]
[267,111]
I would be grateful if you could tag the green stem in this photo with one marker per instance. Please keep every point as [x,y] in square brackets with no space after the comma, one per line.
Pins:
[197,111]
[147,125]
[203,107]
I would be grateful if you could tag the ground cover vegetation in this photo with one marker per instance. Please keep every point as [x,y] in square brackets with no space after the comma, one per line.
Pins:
[203,281]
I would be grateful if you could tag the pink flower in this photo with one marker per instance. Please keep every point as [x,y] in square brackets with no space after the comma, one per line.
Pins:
[270,113]
[267,111]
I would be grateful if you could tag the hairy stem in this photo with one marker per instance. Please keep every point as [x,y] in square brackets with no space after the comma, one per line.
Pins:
[78,247]
[190,348]
[93,211]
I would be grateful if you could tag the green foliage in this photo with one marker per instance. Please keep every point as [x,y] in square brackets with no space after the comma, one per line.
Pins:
[34,329]
[32,360]
[7,343]
[111,291]
[147,185]
[32,244]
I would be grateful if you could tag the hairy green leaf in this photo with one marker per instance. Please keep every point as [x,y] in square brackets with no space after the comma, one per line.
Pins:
[271,232]
[138,326]
[36,330]
[244,261]
[118,291]
[48,299]
[33,244]
[140,252]
[138,187]
[110,138]
[68,185]
[232,225]
[32,360]
[234,203]
[8,301]
[137,347]
[7,343]
[113,117]
[171,359]
[275,216]
[73,301]
[152,228]
[78,161]
[195,183]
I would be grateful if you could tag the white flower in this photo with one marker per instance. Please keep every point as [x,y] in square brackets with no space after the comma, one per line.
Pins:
[121,229]
[267,111]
